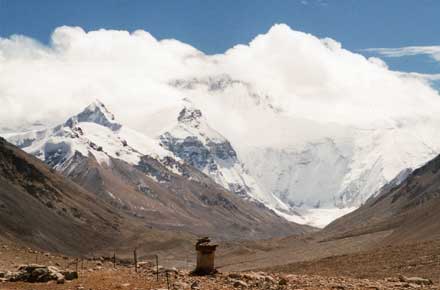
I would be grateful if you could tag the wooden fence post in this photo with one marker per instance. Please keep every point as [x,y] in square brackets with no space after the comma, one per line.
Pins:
[135,260]
[157,267]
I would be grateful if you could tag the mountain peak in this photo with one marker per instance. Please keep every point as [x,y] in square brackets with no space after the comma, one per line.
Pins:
[97,113]
[190,115]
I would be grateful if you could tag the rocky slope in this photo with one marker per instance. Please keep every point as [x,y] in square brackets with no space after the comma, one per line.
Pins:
[41,208]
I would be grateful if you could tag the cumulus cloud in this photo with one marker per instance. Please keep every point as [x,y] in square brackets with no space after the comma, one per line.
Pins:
[305,76]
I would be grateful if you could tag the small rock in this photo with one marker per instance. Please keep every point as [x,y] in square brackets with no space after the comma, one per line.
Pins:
[269,279]
[283,281]
[239,283]
[234,275]
[254,277]
[415,280]
[195,285]
[68,275]
[145,264]
[180,285]
[172,270]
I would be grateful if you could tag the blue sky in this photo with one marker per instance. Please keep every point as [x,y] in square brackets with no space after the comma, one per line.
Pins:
[214,26]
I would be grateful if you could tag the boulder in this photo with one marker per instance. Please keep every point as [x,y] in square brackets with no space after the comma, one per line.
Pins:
[34,273]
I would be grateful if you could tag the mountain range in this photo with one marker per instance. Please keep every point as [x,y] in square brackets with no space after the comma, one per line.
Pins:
[305,177]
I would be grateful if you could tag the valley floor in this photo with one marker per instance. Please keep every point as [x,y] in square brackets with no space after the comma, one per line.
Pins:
[126,278]
[382,268]
[415,259]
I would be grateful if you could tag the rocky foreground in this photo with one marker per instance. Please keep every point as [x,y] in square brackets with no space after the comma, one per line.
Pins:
[102,276]
[24,268]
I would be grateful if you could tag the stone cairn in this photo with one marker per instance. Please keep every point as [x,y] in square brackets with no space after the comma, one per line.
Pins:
[205,257]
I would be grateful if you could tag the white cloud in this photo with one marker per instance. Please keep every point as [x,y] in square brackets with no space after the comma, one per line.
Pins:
[305,76]
[433,51]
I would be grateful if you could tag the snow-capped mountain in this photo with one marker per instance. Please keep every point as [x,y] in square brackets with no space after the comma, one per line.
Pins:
[320,170]
[307,172]
[329,177]
[93,131]
[195,142]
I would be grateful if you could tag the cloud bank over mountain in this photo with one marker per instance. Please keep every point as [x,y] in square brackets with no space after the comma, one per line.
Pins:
[304,76]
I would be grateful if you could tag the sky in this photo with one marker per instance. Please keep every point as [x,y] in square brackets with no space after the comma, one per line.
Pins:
[215,26]
[341,61]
